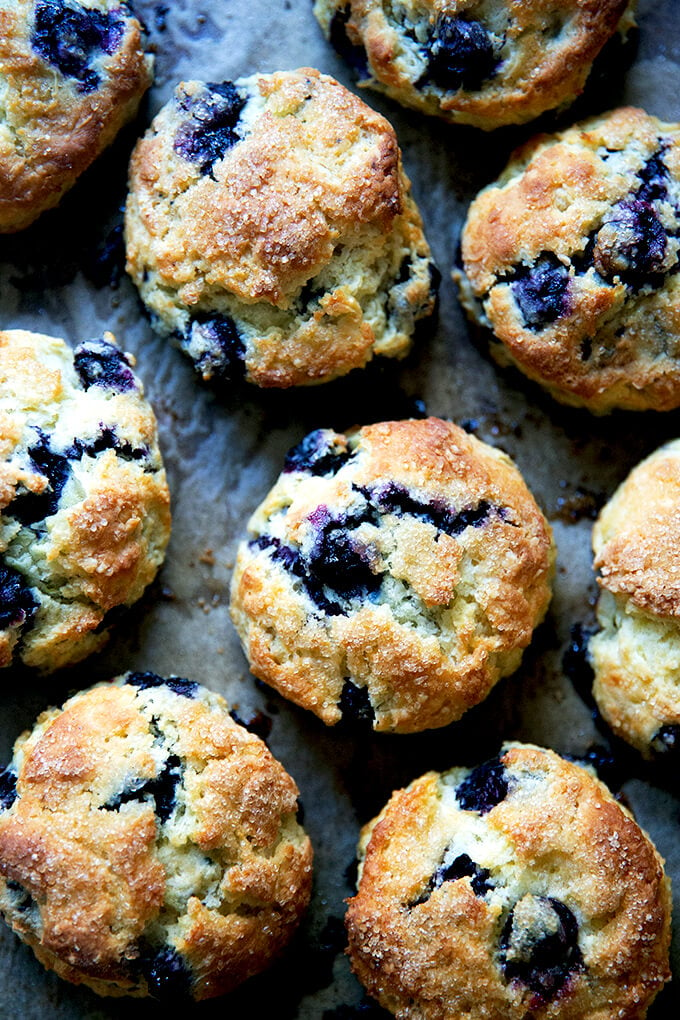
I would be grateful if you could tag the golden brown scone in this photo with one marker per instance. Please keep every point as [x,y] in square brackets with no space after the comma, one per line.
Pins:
[636,653]
[84,503]
[149,844]
[480,62]
[392,575]
[519,889]
[72,74]
[271,231]
[571,259]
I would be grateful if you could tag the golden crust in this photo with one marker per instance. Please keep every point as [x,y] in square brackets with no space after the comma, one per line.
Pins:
[52,131]
[106,882]
[545,51]
[558,834]
[312,191]
[613,343]
[454,611]
[104,536]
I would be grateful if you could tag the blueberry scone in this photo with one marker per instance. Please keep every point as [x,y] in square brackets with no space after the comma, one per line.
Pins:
[271,231]
[636,652]
[149,844]
[517,889]
[392,575]
[571,259]
[71,75]
[84,503]
[480,62]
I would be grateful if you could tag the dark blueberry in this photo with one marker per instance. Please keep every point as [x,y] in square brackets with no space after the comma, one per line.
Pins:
[654,179]
[186,688]
[166,974]
[106,439]
[31,507]
[8,789]
[283,554]
[539,945]
[161,789]
[23,901]
[542,291]
[666,741]
[353,53]
[70,38]
[341,564]
[486,786]
[216,346]
[396,499]
[460,54]
[100,363]
[355,705]
[321,452]
[210,129]
[631,244]
[18,604]
[461,866]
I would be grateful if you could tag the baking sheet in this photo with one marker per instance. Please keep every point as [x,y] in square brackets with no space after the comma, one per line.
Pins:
[223,451]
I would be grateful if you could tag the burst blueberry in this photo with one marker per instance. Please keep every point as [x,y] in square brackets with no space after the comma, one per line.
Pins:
[631,245]
[484,788]
[460,54]
[454,868]
[653,178]
[355,705]
[18,605]
[340,563]
[71,38]
[321,452]
[145,681]
[161,789]
[100,363]
[216,346]
[539,945]
[8,789]
[166,974]
[542,291]
[211,128]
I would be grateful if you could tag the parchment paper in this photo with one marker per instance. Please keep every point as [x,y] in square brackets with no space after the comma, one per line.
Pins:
[223,451]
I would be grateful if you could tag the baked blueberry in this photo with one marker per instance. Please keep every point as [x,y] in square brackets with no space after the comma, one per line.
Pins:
[102,363]
[542,291]
[211,124]
[70,37]
[501,913]
[484,787]
[460,54]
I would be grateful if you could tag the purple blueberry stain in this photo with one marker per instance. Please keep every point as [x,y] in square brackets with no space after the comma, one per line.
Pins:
[460,54]
[396,499]
[321,452]
[161,790]
[70,37]
[339,565]
[8,789]
[211,127]
[101,363]
[18,604]
[631,245]
[484,788]
[216,346]
[542,291]
[653,178]
[539,945]
[145,681]
[31,507]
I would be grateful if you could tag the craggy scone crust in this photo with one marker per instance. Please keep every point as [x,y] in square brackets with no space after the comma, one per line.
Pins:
[479,62]
[518,889]
[571,259]
[271,231]
[636,653]
[71,75]
[84,502]
[148,843]
[395,573]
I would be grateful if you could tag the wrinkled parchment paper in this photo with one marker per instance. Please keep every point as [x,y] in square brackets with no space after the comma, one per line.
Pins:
[223,451]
